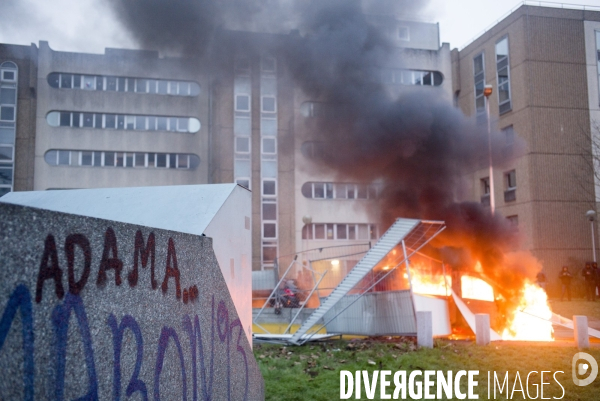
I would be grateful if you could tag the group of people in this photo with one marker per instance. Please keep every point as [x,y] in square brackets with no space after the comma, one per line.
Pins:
[591,276]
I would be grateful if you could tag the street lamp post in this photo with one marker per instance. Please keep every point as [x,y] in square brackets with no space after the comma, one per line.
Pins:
[591,215]
[487,92]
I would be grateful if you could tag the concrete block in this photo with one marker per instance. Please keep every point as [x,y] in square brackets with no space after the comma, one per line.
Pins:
[93,308]
[482,328]
[425,329]
[580,326]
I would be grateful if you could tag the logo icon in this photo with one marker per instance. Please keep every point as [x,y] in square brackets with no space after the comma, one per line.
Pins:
[582,368]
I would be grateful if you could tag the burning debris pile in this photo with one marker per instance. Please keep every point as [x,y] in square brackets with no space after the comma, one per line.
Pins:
[416,145]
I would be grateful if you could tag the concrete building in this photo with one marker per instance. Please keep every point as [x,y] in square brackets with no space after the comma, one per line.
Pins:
[123,118]
[543,66]
[133,118]
[18,91]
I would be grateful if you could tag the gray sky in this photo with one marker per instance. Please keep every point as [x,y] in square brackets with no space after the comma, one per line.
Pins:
[89,26]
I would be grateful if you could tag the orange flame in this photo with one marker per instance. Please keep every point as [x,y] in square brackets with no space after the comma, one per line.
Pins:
[428,284]
[434,284]
[530,321]
[476,288]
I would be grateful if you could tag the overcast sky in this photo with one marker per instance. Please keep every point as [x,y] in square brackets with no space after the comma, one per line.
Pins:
[89,26]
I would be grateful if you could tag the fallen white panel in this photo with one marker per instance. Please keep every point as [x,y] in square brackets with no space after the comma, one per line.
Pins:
[220,211]
[286,337]
[568,323]
[439,310]
[470,317]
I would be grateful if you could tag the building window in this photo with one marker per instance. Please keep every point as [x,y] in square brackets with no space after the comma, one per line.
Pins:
[6,154]
[513,220]
[242,144]
[268,160]
[244,182]
[120,121]
[485,191]
[335,190]
[269,145]
[338,231]
[268,104]
[181,161]
[503,75]
[510,186]
[123,84]
[412,77]
[479,78]
[403,33]
[485,186]
[8,72]
[511,179]
[269,187]
[269,254]
[242,122]
[7,113]
[242,102]
[8,124]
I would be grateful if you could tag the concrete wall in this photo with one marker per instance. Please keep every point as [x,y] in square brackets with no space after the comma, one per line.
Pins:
[81,320]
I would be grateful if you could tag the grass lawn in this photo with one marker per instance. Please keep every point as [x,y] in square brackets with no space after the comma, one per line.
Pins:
[312,372]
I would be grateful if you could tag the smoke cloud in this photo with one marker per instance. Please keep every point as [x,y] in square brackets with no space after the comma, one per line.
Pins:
[416,144]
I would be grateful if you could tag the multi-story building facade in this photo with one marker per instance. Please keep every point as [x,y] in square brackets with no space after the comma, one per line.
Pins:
[123,118]
[132,118]
[543,66]
[18,91]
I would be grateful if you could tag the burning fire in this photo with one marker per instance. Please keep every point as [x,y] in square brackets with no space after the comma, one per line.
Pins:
[476,288]
[528,321]
[472,287]
[531,318]
[429,284]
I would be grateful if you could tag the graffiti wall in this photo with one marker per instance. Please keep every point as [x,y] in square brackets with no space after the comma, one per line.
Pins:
[93,309]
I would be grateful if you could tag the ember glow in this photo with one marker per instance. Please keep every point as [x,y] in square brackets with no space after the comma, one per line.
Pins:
[531,320]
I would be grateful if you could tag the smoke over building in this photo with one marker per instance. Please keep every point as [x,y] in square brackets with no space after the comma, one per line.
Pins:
[338,115]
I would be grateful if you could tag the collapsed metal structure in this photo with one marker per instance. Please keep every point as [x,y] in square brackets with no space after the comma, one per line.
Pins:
[393,312]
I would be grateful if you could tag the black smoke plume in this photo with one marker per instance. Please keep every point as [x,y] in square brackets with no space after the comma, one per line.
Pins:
[414,142]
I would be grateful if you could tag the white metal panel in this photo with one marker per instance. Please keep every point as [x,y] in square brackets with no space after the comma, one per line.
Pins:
[439,312]
[568,323]
[373,314]
[184,208]
[231,232]
[470,317]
